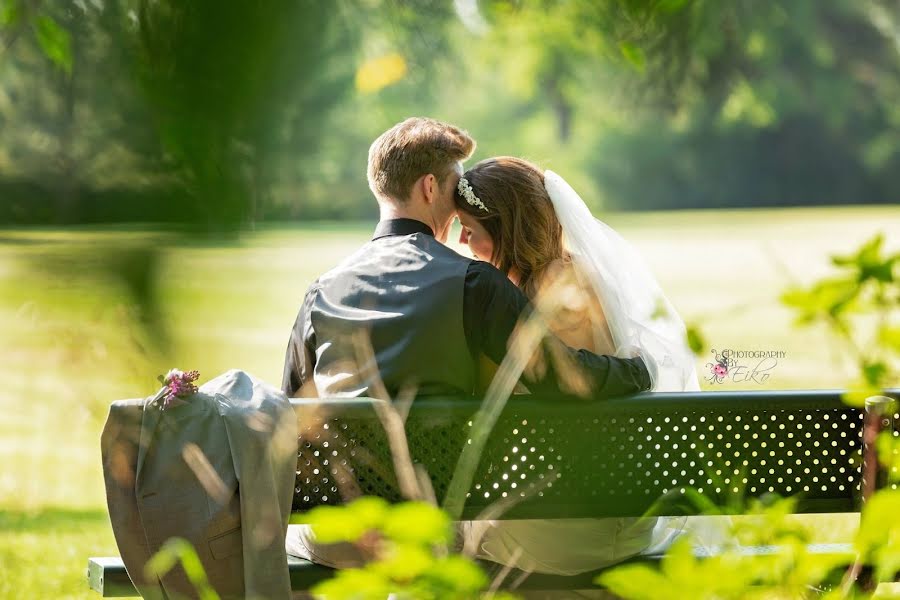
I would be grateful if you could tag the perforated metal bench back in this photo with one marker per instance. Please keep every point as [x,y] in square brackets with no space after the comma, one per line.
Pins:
[576,458]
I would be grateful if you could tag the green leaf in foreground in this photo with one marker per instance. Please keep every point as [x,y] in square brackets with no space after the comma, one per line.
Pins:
[457,573]
[695,339]
[637,582]
[177,550]
[889,336]
[354,584]
[878,539]
[54,41]
[857,396]
[404,562]
[634,55]
[10,13]
[418,522]
[348,523]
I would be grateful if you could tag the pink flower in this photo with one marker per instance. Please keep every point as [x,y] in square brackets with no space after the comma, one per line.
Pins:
[178,384]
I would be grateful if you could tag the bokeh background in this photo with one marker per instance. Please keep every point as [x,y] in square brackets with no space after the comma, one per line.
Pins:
[173,175]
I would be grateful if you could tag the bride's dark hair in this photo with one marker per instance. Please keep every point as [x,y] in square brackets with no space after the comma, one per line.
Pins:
[520,218]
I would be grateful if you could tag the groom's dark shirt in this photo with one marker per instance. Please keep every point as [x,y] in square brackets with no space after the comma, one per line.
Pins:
[492,305]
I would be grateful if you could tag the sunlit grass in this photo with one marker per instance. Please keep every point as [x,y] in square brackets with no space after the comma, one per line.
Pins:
[70,344]
[44,553]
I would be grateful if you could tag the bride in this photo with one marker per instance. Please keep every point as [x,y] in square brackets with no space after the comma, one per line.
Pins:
[534,227]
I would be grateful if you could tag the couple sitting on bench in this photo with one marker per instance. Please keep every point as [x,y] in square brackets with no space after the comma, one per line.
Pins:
[435,322]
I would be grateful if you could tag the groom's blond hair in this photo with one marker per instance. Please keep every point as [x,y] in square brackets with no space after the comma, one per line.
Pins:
[416,147]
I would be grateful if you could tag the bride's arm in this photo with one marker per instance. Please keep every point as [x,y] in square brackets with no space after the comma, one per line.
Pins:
[577,316]
[502,306]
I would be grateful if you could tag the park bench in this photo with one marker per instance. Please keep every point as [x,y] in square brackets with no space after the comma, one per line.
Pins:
[550,458]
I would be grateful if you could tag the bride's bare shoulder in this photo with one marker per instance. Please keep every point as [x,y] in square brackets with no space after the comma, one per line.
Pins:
[560,278]
[559,272]
[560,267]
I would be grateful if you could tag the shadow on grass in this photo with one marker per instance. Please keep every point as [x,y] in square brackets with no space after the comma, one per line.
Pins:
[56,520]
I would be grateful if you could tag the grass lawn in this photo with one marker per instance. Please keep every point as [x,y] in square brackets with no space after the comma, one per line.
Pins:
[72,343]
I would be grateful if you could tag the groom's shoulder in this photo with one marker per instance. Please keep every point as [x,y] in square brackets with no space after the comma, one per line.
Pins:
[484,274]
[484,269]
[431,246]
[487,286]
[341,267]
[474,268]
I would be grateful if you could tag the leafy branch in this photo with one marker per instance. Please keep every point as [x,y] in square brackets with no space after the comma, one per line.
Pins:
[867,286]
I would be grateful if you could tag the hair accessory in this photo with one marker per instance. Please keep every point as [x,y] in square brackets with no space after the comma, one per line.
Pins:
[466,191]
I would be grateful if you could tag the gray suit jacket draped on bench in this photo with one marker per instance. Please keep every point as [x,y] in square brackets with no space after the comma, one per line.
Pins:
[215,471]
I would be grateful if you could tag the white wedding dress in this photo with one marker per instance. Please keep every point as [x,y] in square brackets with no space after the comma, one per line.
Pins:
[640,320]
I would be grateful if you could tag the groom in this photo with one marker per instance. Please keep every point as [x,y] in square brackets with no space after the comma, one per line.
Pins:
[407,312]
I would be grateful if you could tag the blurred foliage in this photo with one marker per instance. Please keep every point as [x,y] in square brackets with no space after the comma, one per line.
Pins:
[695,339]
[407,547]
[163,111]
[219,115]
[878,539]
[776,102]
[788,570]
[233,87]
[179,552]
[864,298]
